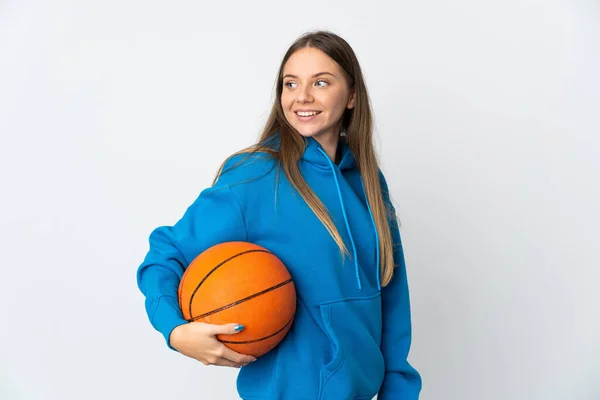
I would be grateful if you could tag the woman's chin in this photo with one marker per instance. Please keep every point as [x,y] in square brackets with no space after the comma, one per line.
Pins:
[307,132]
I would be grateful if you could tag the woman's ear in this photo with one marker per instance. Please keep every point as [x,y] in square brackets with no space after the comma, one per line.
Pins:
[351,100]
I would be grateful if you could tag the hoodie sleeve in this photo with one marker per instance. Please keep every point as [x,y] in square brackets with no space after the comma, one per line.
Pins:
[214,217]
[402,381]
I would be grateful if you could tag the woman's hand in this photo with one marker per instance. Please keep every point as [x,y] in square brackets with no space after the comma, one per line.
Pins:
[198,340]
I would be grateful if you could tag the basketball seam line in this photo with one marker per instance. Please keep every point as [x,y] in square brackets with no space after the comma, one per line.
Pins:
[240,301]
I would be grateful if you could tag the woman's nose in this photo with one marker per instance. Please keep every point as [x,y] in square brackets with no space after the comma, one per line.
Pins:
[304,94]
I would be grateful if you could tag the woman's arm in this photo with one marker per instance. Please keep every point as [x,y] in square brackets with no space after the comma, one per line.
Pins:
[214,217]
[402,381]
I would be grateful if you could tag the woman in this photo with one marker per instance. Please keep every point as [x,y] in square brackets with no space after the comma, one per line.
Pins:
[312,193]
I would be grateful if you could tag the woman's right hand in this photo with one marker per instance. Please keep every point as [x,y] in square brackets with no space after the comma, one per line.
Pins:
[198,340]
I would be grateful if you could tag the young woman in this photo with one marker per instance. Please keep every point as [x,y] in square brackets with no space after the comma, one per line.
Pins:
[311,192]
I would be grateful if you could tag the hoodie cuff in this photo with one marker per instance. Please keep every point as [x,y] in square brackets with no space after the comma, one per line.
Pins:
[167,317]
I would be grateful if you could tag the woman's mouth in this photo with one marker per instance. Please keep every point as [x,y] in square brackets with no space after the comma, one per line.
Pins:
[307,115]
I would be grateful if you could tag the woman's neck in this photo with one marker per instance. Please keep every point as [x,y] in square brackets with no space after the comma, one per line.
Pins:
[330,145]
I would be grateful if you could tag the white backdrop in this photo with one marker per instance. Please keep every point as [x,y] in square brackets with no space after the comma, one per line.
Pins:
[114,115]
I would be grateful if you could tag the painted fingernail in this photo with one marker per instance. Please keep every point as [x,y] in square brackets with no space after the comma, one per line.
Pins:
[238,328]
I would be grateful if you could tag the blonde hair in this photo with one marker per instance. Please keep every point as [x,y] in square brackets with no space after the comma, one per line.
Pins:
[358,126]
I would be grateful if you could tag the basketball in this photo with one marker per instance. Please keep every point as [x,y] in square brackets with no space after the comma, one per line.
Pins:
[243,283]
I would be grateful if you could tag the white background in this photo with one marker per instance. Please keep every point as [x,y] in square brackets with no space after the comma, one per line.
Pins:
[114,115]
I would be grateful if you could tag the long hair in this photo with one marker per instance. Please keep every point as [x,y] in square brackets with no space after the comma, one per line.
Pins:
[358,126]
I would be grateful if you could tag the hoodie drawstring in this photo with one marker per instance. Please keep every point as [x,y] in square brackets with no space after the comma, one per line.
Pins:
[337,185]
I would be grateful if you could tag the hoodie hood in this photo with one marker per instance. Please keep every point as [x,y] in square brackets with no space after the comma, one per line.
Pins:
[314,154]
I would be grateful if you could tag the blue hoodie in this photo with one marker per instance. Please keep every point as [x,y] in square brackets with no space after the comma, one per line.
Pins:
[350,338]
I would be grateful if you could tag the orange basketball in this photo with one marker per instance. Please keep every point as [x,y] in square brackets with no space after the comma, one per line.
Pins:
[242,283]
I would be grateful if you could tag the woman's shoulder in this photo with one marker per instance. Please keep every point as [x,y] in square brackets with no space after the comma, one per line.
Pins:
[247,166]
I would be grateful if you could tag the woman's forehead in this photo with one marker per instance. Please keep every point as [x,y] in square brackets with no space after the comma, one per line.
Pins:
[310,61]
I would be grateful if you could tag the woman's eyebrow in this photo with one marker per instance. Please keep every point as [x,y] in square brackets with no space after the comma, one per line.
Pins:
[314,76]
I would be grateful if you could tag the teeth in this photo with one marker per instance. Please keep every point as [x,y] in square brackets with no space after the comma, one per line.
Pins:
[306,113]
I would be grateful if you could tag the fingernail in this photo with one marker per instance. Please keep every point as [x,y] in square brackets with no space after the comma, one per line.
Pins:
[238,328]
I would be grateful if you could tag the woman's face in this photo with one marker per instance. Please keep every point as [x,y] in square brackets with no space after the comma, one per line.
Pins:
[315,94]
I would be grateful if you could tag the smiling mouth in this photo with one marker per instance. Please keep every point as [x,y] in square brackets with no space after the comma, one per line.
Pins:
[307,113]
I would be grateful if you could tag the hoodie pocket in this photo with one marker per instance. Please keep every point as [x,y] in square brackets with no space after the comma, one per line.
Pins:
[356,369]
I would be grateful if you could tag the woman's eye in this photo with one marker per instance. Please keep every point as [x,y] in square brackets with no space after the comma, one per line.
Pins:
[320,83]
